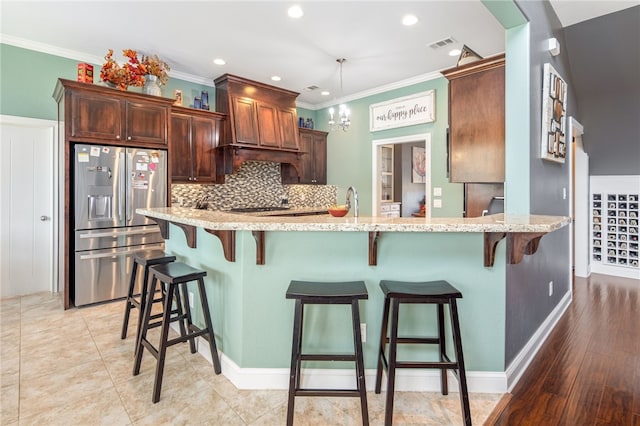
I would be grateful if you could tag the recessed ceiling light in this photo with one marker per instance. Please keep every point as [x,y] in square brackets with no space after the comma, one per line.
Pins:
[219,61]
[276,78]
[325,93]
[455,52]
[409,20]
[295,12]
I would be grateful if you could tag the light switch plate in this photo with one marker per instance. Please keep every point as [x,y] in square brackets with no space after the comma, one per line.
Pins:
[437,203]
[437,192]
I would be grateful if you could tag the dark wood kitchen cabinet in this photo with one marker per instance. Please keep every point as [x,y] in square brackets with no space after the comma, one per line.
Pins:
[477,121]
[313,160]
[194,137]
[313,145]
[107,116]
[260,115]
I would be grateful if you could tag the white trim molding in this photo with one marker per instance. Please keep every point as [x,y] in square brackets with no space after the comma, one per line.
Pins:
[332,378]
[519,365]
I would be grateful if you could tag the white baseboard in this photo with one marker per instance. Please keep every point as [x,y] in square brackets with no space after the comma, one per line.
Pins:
[520,363]
[406,380]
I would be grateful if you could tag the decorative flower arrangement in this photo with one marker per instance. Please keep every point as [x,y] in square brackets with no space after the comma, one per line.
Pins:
[122,76]
[153,65]
[133,71]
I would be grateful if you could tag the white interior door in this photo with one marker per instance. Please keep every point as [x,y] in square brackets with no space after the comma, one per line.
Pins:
[27,214]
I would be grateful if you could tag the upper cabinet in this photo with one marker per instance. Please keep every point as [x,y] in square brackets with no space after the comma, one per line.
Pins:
[194,137]
[477,121]
[259,115]
[313,163]
[99,114]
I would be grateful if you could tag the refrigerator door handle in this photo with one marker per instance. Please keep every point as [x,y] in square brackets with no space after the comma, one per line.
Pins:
[120,253]
[118,233]
[121,186]
[129,187]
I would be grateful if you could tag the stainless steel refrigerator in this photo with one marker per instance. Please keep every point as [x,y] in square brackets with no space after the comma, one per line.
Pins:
[110,183]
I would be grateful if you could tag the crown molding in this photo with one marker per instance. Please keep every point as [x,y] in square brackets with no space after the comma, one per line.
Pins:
[84,57]
[380,89]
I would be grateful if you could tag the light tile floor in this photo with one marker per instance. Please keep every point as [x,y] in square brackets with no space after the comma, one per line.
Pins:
[71,368]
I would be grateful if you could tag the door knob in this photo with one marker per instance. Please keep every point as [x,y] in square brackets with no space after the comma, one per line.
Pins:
[44,218]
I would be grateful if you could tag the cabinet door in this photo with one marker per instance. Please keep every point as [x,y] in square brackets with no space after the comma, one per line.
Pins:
[288,128]
[146,123]
[180,148]
[268,127]
[95,117]
[476,116]
[319,159]
[244,122]
[306,158]
[203,136]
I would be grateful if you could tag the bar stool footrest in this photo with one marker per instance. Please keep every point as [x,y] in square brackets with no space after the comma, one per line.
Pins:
[327,357]
[328,392]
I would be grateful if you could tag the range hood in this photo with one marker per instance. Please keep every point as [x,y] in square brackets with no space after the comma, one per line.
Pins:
[262,124]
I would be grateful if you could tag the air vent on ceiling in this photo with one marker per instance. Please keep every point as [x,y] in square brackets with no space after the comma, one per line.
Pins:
[311,88]
[442,43]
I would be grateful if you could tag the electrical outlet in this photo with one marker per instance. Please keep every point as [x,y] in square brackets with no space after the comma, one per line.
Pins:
[564,193]
[363,331]
[191,299]
[179,201]
[437,192]
[437,203]
[550,288]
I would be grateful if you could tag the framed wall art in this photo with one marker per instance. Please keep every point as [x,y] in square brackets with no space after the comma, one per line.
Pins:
[553,144]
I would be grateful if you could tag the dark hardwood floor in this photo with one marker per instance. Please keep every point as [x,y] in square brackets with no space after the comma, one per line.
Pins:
[588,370]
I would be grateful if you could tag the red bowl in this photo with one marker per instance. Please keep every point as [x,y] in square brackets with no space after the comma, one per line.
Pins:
[338,212]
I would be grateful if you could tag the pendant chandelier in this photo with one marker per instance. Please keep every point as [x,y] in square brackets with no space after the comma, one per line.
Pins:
[341,121]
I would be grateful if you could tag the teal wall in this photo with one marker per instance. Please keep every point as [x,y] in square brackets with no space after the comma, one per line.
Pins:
[254,321]
[27,80]
[349,153]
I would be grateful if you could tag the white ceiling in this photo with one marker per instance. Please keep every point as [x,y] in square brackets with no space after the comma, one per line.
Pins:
[258,39]
[574,11]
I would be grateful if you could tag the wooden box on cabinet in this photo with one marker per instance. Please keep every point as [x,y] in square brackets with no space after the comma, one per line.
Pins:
[99,114]
[259,115]
[477,121]
[194,137]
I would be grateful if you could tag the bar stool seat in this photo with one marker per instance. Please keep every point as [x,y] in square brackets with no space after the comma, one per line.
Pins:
[430,292]
[144,259]
[326,293]
[174,276]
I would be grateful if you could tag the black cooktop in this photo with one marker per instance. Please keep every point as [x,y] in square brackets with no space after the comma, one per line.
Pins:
[257,209]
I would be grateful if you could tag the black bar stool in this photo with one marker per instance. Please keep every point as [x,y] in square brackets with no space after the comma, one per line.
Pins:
[434,292]
[323,293]
[145,259]
[174,276]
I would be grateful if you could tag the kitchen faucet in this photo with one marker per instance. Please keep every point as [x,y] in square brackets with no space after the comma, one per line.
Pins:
[350,191]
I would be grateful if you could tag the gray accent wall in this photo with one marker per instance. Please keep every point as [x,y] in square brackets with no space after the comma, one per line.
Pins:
[528,303]
[604,54]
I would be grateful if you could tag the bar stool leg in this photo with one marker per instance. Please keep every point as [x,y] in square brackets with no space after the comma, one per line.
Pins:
[207,321]
[462,378]
[357,342]
[129,305]
[145,326]
[188,321]
[391,371]
[383,343]
[299,361]
[181,313]
[162,347]
[444,387]
[295,358]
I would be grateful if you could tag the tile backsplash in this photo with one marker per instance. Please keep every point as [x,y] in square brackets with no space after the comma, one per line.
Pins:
[256,184]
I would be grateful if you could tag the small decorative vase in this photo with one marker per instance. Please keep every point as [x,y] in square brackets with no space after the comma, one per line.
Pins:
[151,86]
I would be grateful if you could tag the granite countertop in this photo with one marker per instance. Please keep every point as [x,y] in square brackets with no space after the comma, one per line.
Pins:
[219,220]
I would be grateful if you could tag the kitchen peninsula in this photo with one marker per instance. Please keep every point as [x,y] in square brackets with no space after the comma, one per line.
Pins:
[250,261]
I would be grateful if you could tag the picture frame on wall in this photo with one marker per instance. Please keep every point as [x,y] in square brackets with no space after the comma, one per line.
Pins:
[418,165]
[554,112]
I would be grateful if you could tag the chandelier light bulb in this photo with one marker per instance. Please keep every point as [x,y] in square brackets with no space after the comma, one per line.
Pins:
[343,112]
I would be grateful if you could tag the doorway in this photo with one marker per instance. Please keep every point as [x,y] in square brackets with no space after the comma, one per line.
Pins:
[410,187]
[579,205]
[28,214]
